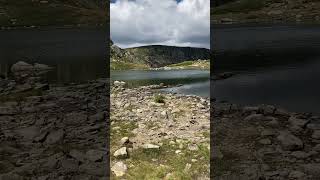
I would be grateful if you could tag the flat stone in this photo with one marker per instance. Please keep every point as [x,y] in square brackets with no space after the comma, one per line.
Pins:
[69,165]
[119,169]
[121,153]
[124,140]
[312,169]
[265,141]
[294,121]
[296,175]
[300,154]
[55,137]
[254,117]
[150,146]
[289,141]
[95,155]
[77,155]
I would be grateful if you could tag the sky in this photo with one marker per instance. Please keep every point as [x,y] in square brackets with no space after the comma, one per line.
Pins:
[162,22]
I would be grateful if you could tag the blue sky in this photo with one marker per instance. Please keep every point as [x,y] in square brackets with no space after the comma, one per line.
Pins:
[164,22]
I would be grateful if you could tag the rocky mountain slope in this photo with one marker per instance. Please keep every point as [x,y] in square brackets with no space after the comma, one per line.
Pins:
[244,11]
[157,55]
[52,12]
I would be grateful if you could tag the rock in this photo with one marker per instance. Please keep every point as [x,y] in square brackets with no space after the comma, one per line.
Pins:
[77,155]
[275,12]
[95,155]
[317,148]
[316,134]
[119,169]
[21,66]
[41,67]
[265,141]
[55,137]
[289,141]
[29,133]
[10,176]
[95,169]
[268,132]
[187,167]
[151,146]
[193,147]
[69,165]
[254,117]
[124,141]
[296,175]
[121,153]
[300,154]
[294,121]
[312,169]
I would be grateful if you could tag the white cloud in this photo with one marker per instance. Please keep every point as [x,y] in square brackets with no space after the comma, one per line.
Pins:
[165,22]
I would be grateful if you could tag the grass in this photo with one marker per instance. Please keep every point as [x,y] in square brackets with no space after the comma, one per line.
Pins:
[159,98]
[56,13]
[119,65]
[157,164]
[202,64]
[240,6]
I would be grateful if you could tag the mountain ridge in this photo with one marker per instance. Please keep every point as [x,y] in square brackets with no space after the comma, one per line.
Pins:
[154,56]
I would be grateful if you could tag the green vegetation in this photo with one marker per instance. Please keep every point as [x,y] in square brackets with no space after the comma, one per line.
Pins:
[51,13]
[165,162]
[200,64]
[240,6]
[159,98]
[121,65]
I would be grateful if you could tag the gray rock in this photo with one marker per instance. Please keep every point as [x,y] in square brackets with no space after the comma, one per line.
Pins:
[316,134]
[300,154]
[55,137]
[124,140]
[77,155]
[294,121]
[254,117]
[312,169]
[265,141]
[289,141]
[150,146]
[21,66]
[95,155]
[121,153]
[119,169]
[296,175]
[69,165]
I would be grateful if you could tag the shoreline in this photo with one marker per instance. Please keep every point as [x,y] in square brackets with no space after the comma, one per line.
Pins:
[174,129]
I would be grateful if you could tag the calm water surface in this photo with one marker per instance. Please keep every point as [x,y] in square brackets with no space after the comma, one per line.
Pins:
[278,65]
[76,54]
[194,82]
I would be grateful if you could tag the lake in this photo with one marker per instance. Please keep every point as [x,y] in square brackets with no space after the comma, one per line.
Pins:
[276,65]
[77,55]
[193,82]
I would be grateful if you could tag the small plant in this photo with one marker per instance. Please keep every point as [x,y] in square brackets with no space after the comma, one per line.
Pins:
[159,98]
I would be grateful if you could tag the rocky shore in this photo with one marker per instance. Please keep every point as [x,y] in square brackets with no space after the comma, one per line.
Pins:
[52,132]
[264,142]
[158,135]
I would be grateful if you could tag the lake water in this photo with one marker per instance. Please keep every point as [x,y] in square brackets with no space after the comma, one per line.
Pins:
[276,65]
[194,82]
[76,54]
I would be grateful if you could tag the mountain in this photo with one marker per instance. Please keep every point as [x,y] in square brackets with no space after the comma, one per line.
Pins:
[52,12]
[157,55]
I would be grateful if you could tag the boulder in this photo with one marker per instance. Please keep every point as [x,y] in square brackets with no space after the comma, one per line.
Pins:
[289,141]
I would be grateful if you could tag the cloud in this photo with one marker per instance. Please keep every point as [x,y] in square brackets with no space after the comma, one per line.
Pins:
[165,22]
